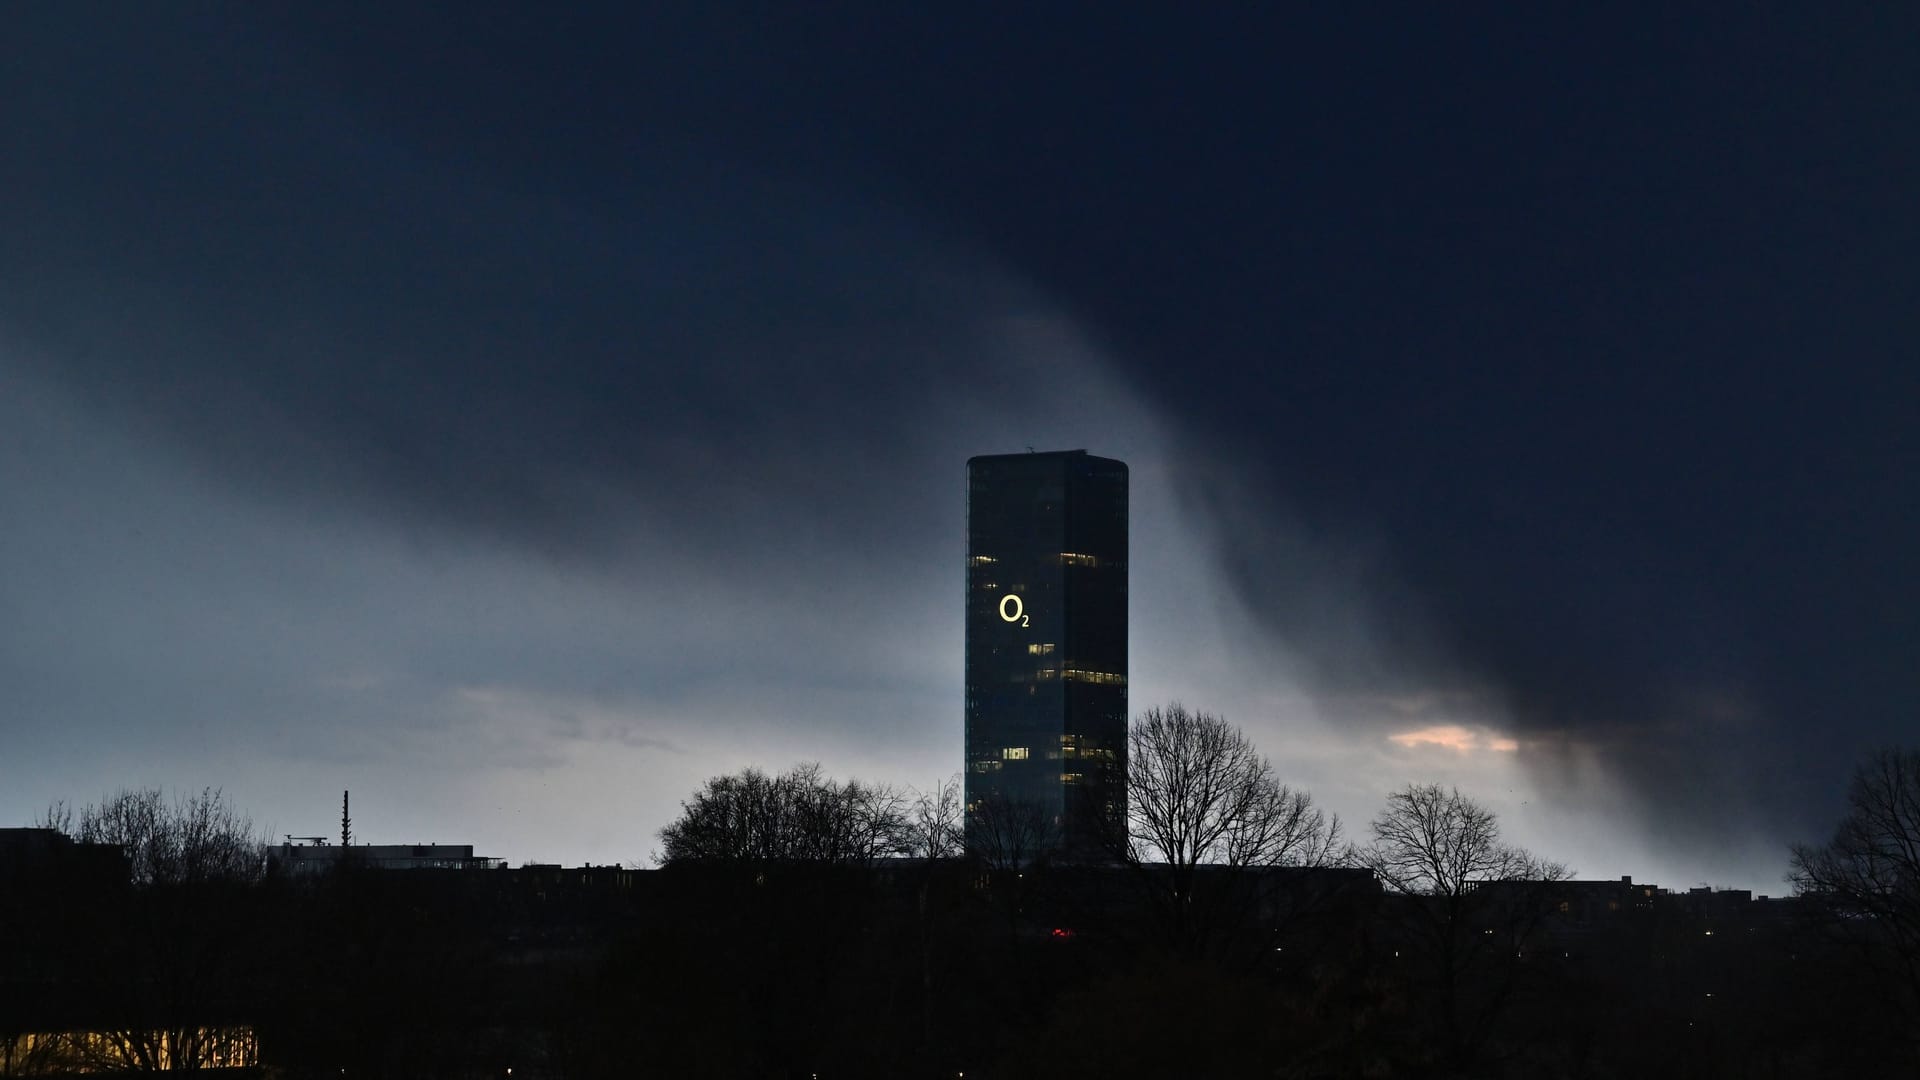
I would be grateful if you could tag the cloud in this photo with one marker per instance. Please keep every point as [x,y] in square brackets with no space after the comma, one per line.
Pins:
[1453,737]
[538,455]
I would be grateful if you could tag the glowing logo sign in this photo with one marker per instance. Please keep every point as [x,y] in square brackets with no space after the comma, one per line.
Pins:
[1012,609]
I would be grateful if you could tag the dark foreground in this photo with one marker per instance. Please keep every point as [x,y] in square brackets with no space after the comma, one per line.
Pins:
[931,969]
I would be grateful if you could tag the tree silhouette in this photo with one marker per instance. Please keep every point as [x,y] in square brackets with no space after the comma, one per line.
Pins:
[1009,833]
[935,822]
[1199,795]
[1473,901]
[182,948]
[1198,792]
[797,816]
[1867,878]
[194,839]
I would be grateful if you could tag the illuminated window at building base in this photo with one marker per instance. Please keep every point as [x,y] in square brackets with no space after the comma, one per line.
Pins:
[47,1053]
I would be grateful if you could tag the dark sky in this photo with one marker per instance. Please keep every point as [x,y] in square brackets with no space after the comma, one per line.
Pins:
[517,416]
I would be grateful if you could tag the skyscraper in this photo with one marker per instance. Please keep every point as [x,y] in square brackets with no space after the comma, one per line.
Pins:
[1046,663]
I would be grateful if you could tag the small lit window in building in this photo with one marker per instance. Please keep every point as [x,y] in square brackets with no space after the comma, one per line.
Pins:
[1074,558]
[1041,649]
[1071,777]
[1014,753]
[981,560]
[1565,907]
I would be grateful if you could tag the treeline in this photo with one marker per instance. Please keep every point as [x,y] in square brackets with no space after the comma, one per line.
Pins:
[806,926]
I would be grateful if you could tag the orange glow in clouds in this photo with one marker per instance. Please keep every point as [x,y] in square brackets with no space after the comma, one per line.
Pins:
[1456,738]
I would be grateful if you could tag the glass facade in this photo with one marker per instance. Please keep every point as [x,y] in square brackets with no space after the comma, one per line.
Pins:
[1046,665]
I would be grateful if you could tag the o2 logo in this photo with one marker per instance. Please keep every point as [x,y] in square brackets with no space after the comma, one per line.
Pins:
[1013,609]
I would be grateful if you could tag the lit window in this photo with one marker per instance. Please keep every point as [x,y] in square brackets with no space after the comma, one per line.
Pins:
[1014,753]
[1074,558]
[1045,649]
[981,560]
[1100,678]
[1071,777]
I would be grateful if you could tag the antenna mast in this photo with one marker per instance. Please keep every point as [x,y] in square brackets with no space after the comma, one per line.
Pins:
[346,822]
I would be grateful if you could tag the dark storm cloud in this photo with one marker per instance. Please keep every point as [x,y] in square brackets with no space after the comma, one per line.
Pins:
[342,446]
[1548,375]
[1580,347]
[246,253]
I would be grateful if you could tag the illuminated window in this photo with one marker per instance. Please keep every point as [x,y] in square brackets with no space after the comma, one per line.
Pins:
[1072,777]
[1074,558]
[1100,678]
[1014,753]
[98,1051]
[1045,649]
[1565,907]
[981,560]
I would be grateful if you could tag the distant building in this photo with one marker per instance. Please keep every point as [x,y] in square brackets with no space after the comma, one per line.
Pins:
[296,860]
[51,855]
[1046,650]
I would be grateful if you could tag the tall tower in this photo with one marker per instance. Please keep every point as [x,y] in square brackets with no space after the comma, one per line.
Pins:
[1046,650]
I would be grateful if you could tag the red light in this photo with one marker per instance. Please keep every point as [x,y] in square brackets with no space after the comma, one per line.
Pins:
[1062,933]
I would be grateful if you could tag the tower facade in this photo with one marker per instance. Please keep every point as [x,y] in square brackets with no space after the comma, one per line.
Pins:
[1046,667]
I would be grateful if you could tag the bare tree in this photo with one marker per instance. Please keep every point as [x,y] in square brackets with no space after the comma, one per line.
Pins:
[58,816]
[798,816]
[935,832]
[1868,876]
[1433,841]
[1475,899]
[1198,792]
[1009,833]
[193,839]
[935,823]
[185,938]
[1200,795]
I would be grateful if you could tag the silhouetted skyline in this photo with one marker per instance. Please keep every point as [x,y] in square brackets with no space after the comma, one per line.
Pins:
[518,416]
